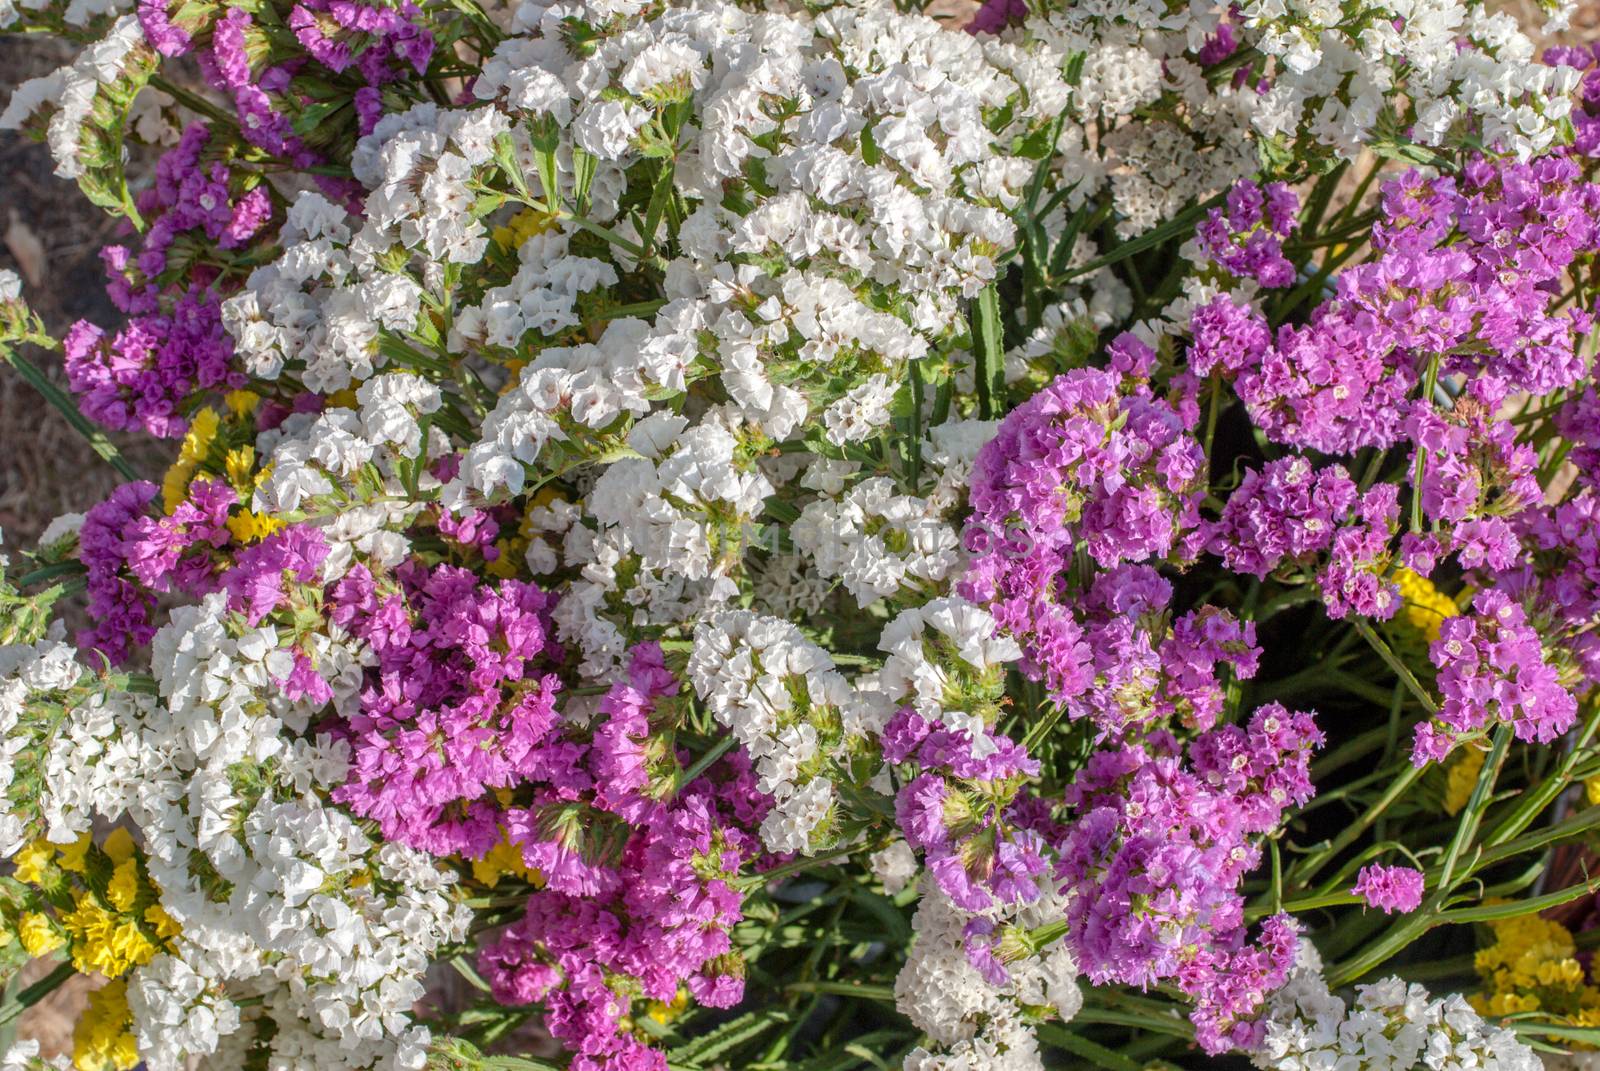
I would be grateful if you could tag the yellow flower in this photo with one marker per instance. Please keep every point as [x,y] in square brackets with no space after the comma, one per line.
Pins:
[104,942]
[1461,778]
[664,1012]
[118,845]
[102,1041]
[196,444]
[505,566]
[503,859]
[39,938]
[240,465]
[1425,605]
[1591,789]
[123,888]
[241,403]
[164,924]
[33,862]
[344,399]
[74,855]
[521,227]
[249,526]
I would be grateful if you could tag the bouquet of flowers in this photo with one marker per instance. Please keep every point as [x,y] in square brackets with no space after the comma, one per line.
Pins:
[713,534]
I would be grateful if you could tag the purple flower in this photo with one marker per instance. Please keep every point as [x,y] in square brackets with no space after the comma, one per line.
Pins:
[1392,888]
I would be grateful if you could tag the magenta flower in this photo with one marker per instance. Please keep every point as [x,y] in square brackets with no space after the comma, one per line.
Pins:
[1391,888]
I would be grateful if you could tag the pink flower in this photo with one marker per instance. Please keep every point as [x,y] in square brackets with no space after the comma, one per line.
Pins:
[1392,888]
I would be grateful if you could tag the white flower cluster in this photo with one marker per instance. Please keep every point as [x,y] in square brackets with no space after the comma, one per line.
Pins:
[941,657]
[24,1056]
[322,302]
[1145,121]
[833,242]
[874,538]
[1389,1025]
[26,671]
[280,898]
[671,526]
[345,465]
[782,698]
[1340,69]
[541,296]
[877,541]
[70,91]
[971,1022]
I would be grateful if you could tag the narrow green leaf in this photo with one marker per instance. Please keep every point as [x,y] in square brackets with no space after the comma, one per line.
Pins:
[988,348]
[59,400]
[1080,1046]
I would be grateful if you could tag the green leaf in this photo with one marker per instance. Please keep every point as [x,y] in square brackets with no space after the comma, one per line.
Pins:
[988,348]
[69,409]
[1094,1052]
[1495,912]
[730,1035]
[36,992]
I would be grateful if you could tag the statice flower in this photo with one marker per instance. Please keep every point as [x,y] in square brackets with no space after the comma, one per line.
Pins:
[1287,511]
[1493,669]
[1392,888]
[458,706]
[1388,1024]
[781,697]
[1095,461]
[982,1016]
[1464,270]
[1245,238]
[1155,853]
[660,911]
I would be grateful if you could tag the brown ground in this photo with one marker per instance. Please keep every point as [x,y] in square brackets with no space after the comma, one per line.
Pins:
[50,236]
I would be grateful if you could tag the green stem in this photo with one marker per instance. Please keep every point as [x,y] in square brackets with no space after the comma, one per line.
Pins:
[69,409]
[1401,670]
[1467,828]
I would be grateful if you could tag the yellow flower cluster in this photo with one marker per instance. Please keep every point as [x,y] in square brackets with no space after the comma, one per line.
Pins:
[1532,966]
[107,930]
[196,445]
[504,860]
[102,1040]
[522,226]
[1424,606]
[205,449]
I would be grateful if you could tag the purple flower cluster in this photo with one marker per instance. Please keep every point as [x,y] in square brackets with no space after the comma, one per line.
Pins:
[119,606]
[1465,270]
[458,707]
[172,344]
[1287,512]
[1141,668]
[1476,477]
[378,42]
[1154,854]
[132,555]
[955,810]
[1389,888]
[1246,238]
[655,907]
[1493,670]
[1095,468]
[1558,575]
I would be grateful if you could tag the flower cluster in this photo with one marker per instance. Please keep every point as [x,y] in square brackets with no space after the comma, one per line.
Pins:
[795,536]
